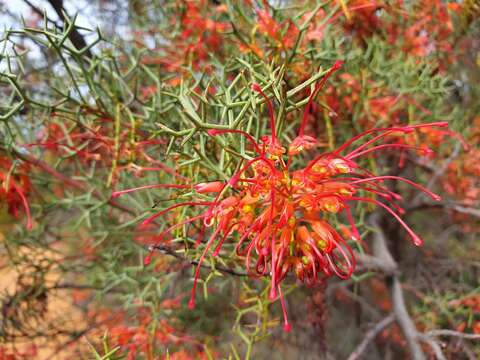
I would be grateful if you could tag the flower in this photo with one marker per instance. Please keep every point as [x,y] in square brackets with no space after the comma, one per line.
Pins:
[14,188]
[278,214]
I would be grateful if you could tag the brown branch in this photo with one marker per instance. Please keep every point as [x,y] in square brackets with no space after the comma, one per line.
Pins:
[402,316]
[370,336]
[459,207]
[169,251]
[447,332]
[430,338]
[434,345]
[40,13]
[405,321]
[75,37]
[373,263]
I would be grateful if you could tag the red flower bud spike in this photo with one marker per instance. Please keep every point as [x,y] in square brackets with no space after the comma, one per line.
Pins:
[416,239]
[209,187]
[258,89]
[191,303]
[148,220]
[391,177]
[116,194]
[147,259]
[424,150]
[286,325]
[26,207]
[338,64]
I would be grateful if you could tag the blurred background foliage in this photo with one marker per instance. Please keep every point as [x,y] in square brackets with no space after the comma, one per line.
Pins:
[98,96]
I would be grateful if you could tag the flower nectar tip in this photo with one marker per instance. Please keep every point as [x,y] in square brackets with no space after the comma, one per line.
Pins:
[417,241]
[115,194]
[147,260]
[338,64]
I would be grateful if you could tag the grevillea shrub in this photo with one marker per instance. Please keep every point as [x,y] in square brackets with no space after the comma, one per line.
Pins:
[175,183]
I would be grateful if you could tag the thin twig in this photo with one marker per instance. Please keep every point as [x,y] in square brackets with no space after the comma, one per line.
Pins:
[370,336]
[169,251]
[434,345]
[446,204]
[447,332]
[75,37]
[374,263]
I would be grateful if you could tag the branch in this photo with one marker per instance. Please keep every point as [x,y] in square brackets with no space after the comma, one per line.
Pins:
[446,332]
[169,251]
[434,345]
[465,210]
[370,336]
[67,180]
[405,321]
[402,316]
[374,263]
[449,205]
[429,338]
[42,14]
[75,37]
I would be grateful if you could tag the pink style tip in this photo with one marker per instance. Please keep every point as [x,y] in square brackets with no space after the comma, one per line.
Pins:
[417,241]
[338,64]
[147,260]
[191,304]
[144,224]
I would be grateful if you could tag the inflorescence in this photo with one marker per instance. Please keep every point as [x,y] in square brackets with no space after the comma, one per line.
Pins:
[277,216]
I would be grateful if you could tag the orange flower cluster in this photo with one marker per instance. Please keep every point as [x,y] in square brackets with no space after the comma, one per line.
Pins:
[463,174]
[279,214]
[135,338]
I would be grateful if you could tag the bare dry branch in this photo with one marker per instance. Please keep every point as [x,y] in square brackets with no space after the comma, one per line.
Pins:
[405,321]
[370,336]
[434,345]
[447,332]
[402,316]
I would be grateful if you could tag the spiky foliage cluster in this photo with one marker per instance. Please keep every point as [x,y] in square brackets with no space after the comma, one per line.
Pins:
[193,107]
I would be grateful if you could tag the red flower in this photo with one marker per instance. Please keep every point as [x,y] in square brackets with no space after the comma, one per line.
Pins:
[14,189]
[279,213]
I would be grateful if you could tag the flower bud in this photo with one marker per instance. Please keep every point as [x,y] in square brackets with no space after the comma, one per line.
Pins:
[210,187]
